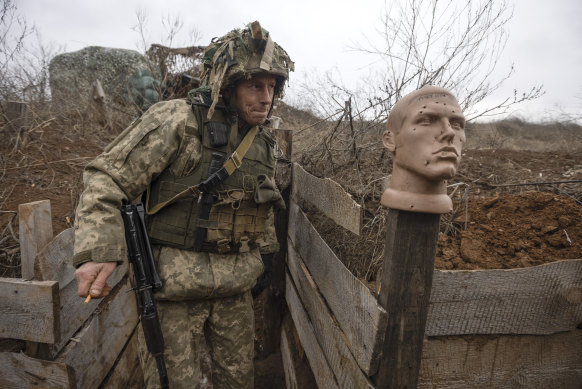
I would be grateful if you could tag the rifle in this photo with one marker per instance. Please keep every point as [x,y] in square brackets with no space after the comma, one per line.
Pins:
[145,282]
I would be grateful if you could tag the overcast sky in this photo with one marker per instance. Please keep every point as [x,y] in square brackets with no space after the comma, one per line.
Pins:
[545,37]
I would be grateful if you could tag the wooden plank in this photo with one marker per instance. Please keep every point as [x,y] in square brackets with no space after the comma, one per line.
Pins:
[298,374]
[53,262]
[328,197]
[321,370]
[98,345]
[288,362]
[35,232]
[126,373]
[19,371]
[411,241]
[355,308]
[73,312]
[504,361]
[284,145]
[330,337]
[538,300]
[29,310]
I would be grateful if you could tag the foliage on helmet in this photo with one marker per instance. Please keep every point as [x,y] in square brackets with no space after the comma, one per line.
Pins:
[239,55]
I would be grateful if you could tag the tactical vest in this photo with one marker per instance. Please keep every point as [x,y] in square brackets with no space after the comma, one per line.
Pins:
[235,221]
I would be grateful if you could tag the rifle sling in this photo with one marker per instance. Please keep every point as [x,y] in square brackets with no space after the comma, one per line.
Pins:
[232,163]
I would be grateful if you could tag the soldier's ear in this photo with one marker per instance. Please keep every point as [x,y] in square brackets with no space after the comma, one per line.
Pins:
[388,140]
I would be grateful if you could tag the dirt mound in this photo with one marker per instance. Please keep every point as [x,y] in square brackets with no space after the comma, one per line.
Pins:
[511,231]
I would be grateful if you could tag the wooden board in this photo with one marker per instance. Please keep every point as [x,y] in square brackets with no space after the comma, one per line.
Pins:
[73,312]
[483,362]
[321,370]
[298,374]
[355,308]
[35,232]
[329,197]
[54,261]
[126,373]
[330,337]
[538,300]
[288,361]
[29,310]
[98,344]
[19,371]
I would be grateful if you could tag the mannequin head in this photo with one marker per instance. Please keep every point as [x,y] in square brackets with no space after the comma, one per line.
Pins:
[425,132]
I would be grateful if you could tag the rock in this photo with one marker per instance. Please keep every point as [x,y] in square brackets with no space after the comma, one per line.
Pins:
[126,76]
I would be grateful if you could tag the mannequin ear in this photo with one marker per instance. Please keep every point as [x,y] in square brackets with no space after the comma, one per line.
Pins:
[388,140]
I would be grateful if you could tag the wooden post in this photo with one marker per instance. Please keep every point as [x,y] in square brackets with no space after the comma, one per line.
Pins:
[406,282]
[35,232]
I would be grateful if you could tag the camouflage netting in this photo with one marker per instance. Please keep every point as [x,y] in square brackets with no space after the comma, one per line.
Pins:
[127,78]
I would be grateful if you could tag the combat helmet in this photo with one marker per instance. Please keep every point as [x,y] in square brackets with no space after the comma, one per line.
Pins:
[239,55]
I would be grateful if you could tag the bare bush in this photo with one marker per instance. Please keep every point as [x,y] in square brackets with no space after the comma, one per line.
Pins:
[456,45]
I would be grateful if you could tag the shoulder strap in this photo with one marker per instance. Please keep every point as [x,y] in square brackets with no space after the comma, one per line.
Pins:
[232,163]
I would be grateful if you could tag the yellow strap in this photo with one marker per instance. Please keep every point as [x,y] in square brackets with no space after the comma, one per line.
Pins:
[234,161]
[230,165]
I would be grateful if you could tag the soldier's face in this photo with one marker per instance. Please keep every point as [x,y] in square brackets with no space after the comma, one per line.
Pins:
[254,98]
[431,138]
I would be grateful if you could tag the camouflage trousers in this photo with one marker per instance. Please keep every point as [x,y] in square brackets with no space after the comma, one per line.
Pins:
[228,327]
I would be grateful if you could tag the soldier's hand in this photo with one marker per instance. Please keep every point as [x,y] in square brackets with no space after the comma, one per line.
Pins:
[92,278]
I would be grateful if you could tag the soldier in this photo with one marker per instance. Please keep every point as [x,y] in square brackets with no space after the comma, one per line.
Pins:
[162,155]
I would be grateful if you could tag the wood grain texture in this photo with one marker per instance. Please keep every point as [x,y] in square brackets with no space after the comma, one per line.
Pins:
[539,300]
[29,310]
[73,312]
[54,261]
[354,307]
[19,371]
[407,270]
[288,361]
[99,343]
[503,361]
[328,197]
[321,370]
[330,337]
[126,373]
[298,373]
[35,231]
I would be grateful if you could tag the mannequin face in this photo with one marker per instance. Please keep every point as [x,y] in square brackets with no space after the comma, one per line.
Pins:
[429,142]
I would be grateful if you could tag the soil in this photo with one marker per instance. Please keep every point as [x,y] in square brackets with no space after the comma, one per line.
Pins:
[511,231]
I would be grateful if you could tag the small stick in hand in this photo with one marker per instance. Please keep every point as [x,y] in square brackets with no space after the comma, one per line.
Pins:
[87,299]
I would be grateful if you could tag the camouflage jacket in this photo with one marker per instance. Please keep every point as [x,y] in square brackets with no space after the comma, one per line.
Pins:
[124,171]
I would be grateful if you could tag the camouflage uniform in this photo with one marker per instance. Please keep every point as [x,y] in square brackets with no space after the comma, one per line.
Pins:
[204,293]
[123,172]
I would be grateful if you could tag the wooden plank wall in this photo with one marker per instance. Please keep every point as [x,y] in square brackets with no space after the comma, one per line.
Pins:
[79,343]
[353,305]
[328,333]
[504,361]
[20,371]
[97,346]
[485,329]
[539,300]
